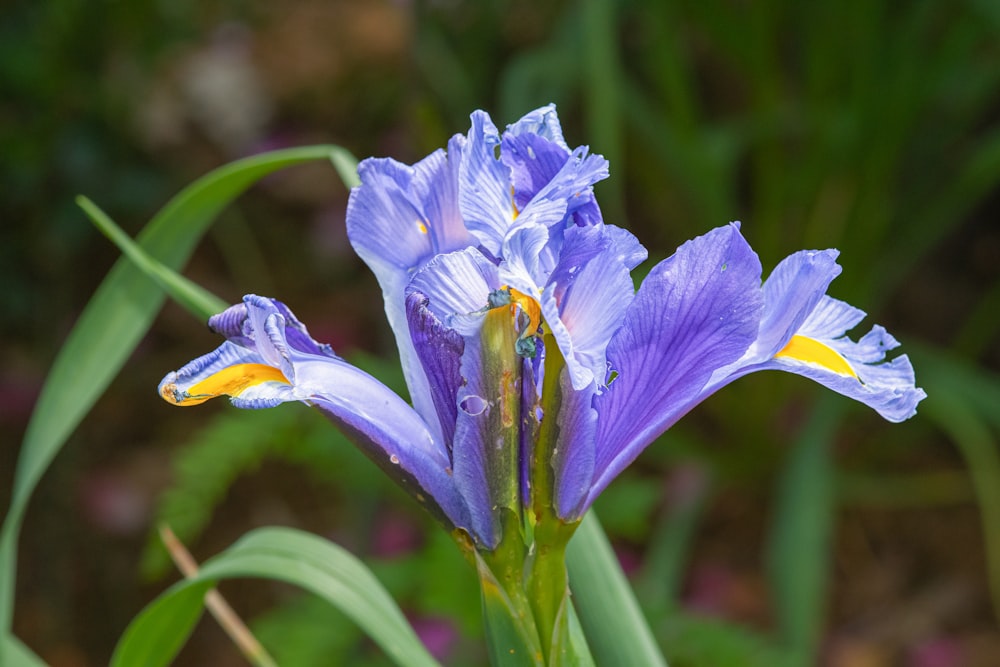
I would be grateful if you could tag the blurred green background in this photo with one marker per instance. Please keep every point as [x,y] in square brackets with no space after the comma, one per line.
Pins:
[773,524]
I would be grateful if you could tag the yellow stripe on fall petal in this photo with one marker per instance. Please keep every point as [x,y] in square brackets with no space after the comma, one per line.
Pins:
[530,308]
[230,381]
[812,351]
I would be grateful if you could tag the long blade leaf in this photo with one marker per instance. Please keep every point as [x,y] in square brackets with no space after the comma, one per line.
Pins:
[282,554]
[616,630]
[111,326]
[799,544]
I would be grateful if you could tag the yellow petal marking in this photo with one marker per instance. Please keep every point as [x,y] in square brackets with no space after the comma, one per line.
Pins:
[812,351]
[421,227]
[530,308]
[230,381]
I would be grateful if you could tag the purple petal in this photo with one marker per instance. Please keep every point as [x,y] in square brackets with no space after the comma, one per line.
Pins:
[484,185]
[854,369]
[589,312]
[386,223]
[791,293]
[533,162]
[544,122]
[440,352]
[456,284]
[696,311]
[259,367]
[574,458]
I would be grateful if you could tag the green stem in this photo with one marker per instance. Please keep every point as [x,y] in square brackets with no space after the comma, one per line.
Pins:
[546,582]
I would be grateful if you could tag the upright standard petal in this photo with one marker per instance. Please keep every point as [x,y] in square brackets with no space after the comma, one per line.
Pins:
[697,311]
[270,360]
[397,220]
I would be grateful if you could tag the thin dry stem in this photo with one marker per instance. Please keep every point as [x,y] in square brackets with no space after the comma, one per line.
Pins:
[232,624]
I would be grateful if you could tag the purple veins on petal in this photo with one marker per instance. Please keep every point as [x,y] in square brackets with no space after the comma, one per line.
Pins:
[697,311]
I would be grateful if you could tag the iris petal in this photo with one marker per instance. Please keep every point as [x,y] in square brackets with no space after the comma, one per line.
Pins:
[388,430]
[697,311]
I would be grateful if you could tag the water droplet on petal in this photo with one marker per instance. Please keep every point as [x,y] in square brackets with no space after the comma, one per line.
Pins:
[394,459]
[473,405]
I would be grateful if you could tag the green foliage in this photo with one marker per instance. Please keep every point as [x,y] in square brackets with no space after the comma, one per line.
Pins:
[607,609]
[109,329]
[799,118]
[696,641]
[282,554]
[801,535]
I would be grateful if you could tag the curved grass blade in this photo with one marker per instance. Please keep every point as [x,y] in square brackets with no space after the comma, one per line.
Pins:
[193,297]
[282,554]
[799,544]
[616,630]
[110,327]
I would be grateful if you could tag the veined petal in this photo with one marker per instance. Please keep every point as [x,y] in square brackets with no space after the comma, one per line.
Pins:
[440,352]
[589,312]
[544,122]
[533,161]
[397,220]
[436,186]
[385,221]
[791,293]
[575,454]
[574,181]
[456,285]
[485,196]
[522,267]
[696,311]
[259,367]
[819,350]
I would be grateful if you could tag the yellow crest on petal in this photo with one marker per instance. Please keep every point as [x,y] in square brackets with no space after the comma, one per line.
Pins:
[812,351]
[230,381]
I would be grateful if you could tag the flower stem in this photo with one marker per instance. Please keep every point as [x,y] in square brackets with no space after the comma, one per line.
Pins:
[546,580]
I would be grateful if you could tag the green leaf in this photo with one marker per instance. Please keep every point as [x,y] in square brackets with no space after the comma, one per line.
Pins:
[510,633]
[110,327]
[193,297]
[701,641]
[616,630]
[282,554]
[16,654]
[799,544]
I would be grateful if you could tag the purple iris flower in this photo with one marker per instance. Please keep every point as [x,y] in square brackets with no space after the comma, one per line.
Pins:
[534,366]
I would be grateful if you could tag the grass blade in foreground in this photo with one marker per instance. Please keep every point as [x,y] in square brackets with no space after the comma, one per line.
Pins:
[110,327]
[616,630]
[282,554]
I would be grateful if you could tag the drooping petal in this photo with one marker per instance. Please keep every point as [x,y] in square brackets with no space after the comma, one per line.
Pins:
[260,367]
[696,311]
[820,350]
[791,293]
